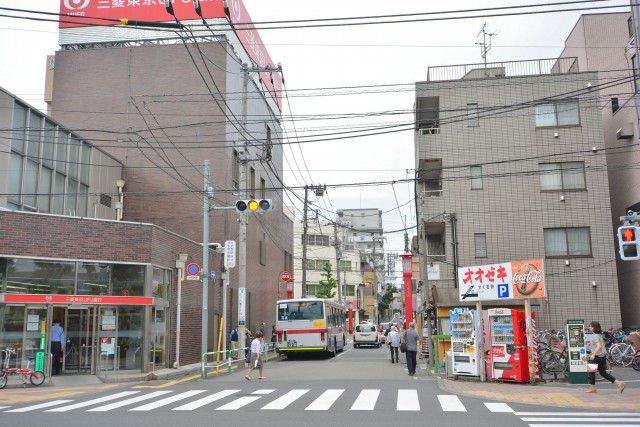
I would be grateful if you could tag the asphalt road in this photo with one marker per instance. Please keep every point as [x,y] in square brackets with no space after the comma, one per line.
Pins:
[360,387]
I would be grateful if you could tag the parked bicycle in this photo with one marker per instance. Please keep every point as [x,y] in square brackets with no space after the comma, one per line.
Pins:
[36,377]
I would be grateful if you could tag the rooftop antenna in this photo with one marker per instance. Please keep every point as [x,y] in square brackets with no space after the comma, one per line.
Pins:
[485,43]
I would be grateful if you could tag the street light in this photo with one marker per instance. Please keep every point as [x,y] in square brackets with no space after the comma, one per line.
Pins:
[408,297]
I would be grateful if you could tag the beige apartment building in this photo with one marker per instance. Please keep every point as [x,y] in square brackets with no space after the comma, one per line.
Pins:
[606,43]
[511,165]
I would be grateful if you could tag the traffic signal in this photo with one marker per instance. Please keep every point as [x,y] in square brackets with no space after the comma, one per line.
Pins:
[254,205]
[628,242]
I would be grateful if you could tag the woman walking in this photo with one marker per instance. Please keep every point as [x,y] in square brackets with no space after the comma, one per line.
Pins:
[393,342]
[256,356]
[598,356]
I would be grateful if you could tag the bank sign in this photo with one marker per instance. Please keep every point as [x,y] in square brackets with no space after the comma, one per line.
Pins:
[504,281]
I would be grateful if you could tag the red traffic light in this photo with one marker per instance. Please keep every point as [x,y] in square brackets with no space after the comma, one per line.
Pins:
[629,234]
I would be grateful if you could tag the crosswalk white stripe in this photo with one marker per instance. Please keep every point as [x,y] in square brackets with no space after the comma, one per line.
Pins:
[498,407]
[122,403]
[581,419]
[40,406]
[5,407]
[408,400]
[325,400]
[366,400]
[451,403]
[238,403]
[286,399]
[92,402]
[167,400]
[264,391]
[205,400]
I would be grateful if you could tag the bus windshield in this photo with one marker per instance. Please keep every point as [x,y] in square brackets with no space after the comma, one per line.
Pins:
[301,310]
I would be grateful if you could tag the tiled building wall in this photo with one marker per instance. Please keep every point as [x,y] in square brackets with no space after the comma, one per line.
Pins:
[510,208]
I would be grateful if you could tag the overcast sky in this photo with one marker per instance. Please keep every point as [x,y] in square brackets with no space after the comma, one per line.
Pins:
[388,58]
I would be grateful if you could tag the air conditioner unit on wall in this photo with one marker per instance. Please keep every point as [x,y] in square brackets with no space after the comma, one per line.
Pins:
[624,134]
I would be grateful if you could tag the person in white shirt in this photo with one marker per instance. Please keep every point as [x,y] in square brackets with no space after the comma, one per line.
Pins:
[256,356]
[393,342]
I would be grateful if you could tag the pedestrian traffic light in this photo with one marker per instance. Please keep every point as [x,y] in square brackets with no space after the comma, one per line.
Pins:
[254,205]
[628,242]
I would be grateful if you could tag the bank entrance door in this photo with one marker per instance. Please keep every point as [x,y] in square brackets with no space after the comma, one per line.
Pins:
[79,327]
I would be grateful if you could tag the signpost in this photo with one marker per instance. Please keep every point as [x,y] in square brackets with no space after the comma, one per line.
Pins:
[286,277]
[229,254]
[193,271]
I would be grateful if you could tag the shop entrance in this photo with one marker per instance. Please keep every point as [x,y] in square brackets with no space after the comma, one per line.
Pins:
[79,327]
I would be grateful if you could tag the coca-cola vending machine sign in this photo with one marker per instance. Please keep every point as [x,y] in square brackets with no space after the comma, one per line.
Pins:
[507,280]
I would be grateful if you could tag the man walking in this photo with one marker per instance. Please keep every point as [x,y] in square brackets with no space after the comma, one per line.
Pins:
[393,342]
[57,339]
[410,338]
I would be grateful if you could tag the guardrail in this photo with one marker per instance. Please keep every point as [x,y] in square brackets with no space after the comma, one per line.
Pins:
[213,358]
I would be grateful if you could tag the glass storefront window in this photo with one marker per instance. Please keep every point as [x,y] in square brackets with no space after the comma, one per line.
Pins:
[130,337]
[93,278]
[128,280]
[27,276]
[161,281]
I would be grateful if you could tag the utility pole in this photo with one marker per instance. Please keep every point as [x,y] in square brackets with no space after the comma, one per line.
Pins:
[319,191]
[205,259]
[338,257]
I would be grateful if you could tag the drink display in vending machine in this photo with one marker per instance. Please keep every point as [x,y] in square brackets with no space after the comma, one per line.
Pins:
[509,350]
[464,345]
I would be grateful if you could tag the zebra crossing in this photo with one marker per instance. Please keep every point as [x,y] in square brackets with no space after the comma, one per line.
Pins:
[406,400]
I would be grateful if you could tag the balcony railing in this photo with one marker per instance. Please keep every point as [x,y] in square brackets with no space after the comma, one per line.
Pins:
[504,69]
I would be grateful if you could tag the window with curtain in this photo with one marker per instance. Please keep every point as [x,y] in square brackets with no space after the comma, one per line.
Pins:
[480,244]
[562,176]
[567,242]
[558,113]
[472,115]
[476,177]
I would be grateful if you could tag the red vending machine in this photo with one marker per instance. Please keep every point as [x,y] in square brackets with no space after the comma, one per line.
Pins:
[509,350]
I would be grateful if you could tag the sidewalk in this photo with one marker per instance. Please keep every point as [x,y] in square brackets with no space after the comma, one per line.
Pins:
[562,395]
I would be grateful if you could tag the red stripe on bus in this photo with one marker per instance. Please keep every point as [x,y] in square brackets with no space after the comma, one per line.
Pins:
[303,331]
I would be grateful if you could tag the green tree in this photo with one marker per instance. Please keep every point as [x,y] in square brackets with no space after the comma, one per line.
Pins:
[328,284]
[387,297]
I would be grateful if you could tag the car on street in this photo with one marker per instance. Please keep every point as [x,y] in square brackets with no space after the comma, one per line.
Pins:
[366,334]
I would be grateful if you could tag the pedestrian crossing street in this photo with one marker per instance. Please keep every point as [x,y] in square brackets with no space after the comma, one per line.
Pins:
[407,400]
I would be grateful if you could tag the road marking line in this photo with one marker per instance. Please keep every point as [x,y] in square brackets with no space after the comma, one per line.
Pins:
[583,425]
[451,403]
[40,406]
[366,400]
[205,400]
[92,402]
[579,414]
[167,400]
[286,399]
[128,401]
[238,403]
[498,407]
[264,391]
[408,400]
[582,419]
[325,400]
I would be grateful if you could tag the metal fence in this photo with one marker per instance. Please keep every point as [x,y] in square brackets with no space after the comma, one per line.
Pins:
[226,359]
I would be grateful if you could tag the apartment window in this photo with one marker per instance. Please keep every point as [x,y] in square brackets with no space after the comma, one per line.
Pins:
[316,264]
[317,240]
[428,112]
[562,176]
[472,115]
[252,183]
[636,73]
[263,252]
[615,105]
[563,242]
[312,289]
[476,177]
[480,243]
[235,170]
[263,188]
[558,113]
[345,265]
[630,27]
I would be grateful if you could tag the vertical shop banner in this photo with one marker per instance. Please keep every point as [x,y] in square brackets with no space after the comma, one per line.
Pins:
[503,281]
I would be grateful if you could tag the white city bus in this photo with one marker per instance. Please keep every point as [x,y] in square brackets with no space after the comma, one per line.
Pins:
[310,324]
